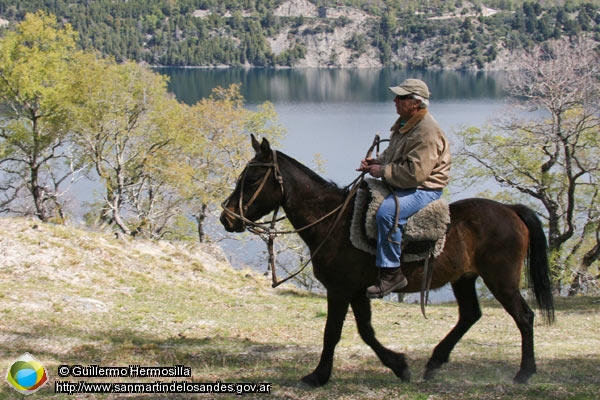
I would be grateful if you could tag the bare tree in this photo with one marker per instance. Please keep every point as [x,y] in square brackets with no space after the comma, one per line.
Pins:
[550,157]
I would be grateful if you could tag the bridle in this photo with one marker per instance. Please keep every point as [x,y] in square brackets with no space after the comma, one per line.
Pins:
[274,166]
[266,230]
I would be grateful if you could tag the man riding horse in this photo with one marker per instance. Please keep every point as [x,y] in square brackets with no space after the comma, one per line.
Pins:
[416,167]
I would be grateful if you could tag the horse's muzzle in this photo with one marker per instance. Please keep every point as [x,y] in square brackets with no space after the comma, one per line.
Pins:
[231,224]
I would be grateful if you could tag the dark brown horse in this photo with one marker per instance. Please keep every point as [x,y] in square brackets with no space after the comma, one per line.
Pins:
[486,239]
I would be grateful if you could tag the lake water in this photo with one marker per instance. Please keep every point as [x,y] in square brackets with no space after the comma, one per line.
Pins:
[336,113]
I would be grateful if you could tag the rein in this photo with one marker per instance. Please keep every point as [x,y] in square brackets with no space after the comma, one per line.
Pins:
[267,232]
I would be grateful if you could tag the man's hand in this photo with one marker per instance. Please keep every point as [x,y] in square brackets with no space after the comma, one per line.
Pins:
[376,170]
[370,166]
[365,163]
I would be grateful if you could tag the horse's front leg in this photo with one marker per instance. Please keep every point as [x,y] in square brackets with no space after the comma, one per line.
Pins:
[337,308]
[395,361]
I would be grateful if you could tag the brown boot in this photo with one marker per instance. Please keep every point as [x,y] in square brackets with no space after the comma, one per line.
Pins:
[390,279]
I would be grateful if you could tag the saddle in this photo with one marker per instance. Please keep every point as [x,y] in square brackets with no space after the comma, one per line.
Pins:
[424,234]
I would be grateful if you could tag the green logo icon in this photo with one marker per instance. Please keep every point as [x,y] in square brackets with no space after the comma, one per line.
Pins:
[27,375]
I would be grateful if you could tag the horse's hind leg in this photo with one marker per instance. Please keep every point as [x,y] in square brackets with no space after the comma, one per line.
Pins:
[469,312]
[517,307]
[524,318]
[361,306]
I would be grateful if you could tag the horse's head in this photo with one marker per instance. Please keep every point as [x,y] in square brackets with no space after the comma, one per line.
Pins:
[259,189]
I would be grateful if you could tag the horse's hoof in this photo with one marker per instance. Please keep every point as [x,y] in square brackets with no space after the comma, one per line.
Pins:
[314,381]
[431,370]
[405,375]
[522,377]
[430,374]
[400,367]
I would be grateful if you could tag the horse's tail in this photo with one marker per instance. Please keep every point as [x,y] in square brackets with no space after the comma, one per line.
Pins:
[538,270]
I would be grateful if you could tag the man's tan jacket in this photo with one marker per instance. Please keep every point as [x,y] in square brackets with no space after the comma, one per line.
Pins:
[418,155]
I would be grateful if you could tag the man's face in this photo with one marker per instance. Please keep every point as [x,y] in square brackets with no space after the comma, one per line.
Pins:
[406,106]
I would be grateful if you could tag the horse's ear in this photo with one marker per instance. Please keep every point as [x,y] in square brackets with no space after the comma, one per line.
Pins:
[265,147]
[255,144]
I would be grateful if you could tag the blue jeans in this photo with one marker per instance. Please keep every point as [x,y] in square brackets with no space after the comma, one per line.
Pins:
[411,201]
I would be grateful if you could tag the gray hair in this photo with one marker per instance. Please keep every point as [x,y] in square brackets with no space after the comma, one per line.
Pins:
[424,101]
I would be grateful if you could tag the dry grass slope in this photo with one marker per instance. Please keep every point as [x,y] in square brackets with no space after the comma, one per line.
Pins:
[70,296]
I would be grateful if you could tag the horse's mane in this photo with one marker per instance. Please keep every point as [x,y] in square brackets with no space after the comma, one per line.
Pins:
[322,182]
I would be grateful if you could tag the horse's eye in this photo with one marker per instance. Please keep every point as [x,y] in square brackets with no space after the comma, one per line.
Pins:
[252,179]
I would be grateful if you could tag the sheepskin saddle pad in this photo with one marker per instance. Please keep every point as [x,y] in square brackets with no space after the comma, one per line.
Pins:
[424,233]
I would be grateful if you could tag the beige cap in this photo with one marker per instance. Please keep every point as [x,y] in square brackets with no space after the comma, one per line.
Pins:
[412,86]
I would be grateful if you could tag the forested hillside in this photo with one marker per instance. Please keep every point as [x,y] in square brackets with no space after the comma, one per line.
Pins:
[351,33]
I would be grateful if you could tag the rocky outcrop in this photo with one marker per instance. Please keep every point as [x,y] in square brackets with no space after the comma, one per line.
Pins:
[296,8]
[325,48]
